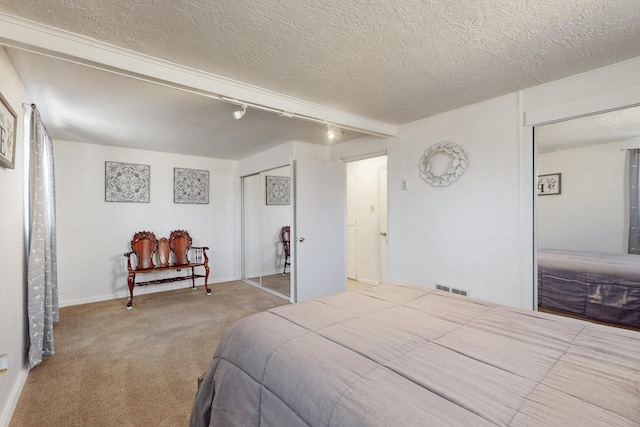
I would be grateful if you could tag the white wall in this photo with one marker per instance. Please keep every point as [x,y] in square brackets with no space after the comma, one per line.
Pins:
[363,217]
[361,148]
[93,234]
[12,304]
[467,234]
[281,156]
[307,151]
[591,211]
[265,160]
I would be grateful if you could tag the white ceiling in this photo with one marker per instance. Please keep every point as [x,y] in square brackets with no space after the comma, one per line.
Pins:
[392,61]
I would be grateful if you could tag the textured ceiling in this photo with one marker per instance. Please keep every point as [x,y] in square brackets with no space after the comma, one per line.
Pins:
[612,126]
[391,60]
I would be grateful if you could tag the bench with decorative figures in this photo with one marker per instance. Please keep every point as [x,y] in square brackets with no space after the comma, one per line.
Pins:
[153,256]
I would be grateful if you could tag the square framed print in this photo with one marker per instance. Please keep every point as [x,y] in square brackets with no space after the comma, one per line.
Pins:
[126,182]
[278,190]
[550,184]
[190,186]
[8,123]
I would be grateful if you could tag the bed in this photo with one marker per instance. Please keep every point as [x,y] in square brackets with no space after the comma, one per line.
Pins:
[594,285]
[400,355]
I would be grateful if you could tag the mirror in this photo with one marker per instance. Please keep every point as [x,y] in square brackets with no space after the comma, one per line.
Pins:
[587,157]
[583,217]
[251,214]
[266,209]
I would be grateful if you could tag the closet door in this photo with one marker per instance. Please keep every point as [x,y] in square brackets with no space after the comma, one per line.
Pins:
[320,224]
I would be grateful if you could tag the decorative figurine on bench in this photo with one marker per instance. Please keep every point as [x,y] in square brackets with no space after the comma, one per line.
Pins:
[172,254]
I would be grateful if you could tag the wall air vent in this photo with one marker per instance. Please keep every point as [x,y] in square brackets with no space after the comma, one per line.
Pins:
[451,289]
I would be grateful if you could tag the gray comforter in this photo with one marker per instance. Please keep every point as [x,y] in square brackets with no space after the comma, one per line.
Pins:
[595,285]
[398,355]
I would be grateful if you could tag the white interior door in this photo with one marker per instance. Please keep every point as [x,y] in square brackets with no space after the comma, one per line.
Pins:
[319,232]
[383,224]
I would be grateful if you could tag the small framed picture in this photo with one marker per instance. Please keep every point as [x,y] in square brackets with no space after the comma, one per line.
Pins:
[277,190]
[550,184]
[8,123]
[190,186]
[126,182]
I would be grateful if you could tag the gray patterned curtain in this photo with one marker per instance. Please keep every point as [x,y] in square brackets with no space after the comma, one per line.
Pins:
[634,200]
[42,270]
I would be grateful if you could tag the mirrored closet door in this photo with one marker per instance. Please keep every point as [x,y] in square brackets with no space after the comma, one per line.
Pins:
[266,211]
[585,211]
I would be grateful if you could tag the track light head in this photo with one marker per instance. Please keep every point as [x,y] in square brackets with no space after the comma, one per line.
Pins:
[240,113]
[332,132]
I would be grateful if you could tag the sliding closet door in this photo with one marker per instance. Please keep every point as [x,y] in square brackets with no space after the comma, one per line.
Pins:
[320,224]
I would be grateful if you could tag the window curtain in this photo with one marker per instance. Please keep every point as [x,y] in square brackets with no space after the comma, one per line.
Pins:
[634,200]
[42,270]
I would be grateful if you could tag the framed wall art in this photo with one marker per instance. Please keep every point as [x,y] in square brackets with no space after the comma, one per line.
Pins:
[277,190]
[190,186]
[8,123]
[126,182]
[550,184]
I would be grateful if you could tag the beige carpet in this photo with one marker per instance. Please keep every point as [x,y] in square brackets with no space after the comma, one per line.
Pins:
[278,283]
[118,367]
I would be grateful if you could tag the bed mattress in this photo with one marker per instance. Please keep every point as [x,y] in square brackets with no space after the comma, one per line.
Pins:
[410,356]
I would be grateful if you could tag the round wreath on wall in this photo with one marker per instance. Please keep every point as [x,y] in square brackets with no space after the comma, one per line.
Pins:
[458,162]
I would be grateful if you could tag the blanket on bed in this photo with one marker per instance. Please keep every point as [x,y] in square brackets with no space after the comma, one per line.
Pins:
[595,285]
[399,355]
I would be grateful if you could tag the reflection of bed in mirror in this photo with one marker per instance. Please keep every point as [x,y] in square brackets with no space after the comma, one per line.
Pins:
[601,286]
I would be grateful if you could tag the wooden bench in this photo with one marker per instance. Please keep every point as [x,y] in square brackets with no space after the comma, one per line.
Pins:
[172,254]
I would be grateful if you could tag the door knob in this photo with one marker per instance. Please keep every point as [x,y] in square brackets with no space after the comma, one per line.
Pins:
[383,234]
[301,239]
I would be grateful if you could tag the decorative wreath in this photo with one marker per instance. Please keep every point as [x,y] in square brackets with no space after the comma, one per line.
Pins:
[459,163]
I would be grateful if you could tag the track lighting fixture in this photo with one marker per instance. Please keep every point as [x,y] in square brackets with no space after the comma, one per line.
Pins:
[240,113]
[332,132]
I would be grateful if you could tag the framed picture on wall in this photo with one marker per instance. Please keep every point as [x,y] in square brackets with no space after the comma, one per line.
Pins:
[277,190]
[190,186]
[8,123]
[550,184]
[126,182]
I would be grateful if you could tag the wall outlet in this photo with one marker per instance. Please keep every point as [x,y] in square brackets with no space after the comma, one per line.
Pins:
[404,184]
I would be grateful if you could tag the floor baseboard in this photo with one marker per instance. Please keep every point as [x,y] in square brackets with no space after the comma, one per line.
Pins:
[14,397]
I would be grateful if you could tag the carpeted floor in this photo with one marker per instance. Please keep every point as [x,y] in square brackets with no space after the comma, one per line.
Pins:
[278,283]
[139,367]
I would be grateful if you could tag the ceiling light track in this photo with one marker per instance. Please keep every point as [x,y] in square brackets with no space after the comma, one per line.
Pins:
[332,130]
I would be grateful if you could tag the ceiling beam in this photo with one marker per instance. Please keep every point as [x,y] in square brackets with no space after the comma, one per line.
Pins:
[34,37]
